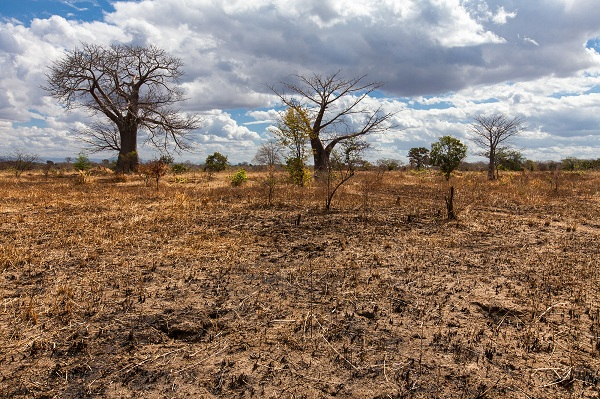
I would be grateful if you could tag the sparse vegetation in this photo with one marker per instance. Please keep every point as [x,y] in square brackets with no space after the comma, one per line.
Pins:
[153,170]
[214,296]
[387,164]
[343,165]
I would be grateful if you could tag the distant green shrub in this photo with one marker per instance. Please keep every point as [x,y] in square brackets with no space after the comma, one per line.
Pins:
[82,163]
[239,177]
[179,168]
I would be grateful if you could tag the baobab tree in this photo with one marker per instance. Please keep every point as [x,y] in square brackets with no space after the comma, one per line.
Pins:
[493,131]
[336,111]
[132,89]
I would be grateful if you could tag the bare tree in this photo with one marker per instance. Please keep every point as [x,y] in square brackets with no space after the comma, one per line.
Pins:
[343,165]
[332,102]
[134,87]
[492,131]
[22,161]
[268,154]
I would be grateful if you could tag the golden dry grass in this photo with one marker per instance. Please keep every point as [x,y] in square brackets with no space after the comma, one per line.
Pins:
[112,289]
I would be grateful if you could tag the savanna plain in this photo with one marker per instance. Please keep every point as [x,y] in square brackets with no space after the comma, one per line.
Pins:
[112,289]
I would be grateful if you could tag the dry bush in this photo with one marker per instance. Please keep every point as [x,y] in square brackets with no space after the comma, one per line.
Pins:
[153,170]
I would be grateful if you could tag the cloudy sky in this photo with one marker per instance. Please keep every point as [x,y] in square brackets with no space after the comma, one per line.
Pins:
[443,62]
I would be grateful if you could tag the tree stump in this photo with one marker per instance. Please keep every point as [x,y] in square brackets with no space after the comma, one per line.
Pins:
[450,204]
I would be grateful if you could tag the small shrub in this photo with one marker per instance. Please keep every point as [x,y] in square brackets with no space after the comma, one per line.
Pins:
[48,167]
[239,177]
[180,180]
[120,178]
[298,172]
[153,170]
[82,163]
[179,168]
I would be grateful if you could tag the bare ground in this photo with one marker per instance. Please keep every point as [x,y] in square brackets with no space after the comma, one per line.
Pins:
[110,289]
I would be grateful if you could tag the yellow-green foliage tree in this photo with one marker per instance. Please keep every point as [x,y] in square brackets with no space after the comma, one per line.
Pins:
[293,133]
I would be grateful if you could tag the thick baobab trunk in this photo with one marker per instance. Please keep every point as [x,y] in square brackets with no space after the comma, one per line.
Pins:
[492,168]
[128,160]
[320,156]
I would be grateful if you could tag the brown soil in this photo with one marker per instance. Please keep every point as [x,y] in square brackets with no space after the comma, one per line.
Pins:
[110,289]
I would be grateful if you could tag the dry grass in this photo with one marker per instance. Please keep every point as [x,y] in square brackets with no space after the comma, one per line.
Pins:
[112,289]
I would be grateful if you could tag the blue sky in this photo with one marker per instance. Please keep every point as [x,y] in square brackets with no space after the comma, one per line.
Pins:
[26,10]
[443,62]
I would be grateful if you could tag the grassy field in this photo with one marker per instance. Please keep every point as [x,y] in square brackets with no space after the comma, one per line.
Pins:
[110,288]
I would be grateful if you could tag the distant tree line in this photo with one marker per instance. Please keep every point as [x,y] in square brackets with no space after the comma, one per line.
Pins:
[511,160]
[132,91]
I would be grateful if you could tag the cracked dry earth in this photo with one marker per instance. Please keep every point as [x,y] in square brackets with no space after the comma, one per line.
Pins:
[110,289]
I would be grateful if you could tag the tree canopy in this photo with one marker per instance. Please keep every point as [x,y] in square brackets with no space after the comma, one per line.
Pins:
[215,162]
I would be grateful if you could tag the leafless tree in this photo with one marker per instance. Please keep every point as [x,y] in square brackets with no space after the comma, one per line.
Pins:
[493,131]
[268,154]
[134,87]
[22,161]
[343,165]
[332,102]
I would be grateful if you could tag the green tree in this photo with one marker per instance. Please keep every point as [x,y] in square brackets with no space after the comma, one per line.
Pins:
[387,164]
[447,153]
[507,159]
[216,162]
[418,157]
[167,159]
[132,89]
